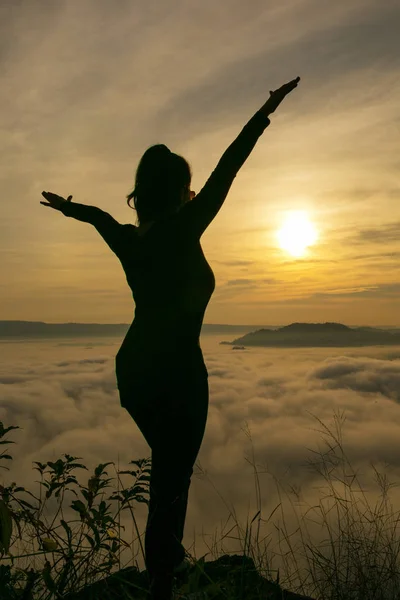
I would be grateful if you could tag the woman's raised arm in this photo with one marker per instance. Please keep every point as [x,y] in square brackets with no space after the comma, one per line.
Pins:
[197,214]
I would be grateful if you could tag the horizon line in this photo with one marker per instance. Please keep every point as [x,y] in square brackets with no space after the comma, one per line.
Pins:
[204,324]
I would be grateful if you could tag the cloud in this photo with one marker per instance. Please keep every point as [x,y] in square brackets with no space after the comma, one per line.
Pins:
[372,376]
[334,41]
[376,255]
[389,232]
[245,282]
[384,290]
[234,263]
[251,283]
[65,400]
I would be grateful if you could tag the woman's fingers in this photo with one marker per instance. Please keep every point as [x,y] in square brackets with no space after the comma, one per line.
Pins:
[293,84]
[51,196]
[50,201]
[288,87]
[54,200]
[48,197]
[285,88]
[277,96]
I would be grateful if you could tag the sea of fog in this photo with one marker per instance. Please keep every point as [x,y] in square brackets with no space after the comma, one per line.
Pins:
[268,406]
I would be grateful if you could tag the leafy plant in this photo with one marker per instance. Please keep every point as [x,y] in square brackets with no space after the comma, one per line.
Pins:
[79,555]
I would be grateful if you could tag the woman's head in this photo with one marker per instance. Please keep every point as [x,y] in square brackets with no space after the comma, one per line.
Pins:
[162,183]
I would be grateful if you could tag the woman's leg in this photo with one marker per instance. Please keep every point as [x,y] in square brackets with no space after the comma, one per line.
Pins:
[173,423]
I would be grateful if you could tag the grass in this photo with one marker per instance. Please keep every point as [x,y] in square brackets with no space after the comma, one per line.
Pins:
[357,557]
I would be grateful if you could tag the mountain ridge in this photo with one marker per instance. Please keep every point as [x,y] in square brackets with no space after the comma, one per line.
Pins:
[318,334]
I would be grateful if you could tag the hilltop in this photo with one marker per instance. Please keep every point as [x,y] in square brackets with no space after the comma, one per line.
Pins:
[319,334]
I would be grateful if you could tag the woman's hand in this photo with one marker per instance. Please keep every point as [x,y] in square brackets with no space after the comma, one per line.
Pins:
[53,200]
[278,95]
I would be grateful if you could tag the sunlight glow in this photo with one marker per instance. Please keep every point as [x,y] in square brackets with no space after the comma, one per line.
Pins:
[297,233]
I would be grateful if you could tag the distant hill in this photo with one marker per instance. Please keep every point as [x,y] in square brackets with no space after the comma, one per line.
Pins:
[319,334]
[39,329]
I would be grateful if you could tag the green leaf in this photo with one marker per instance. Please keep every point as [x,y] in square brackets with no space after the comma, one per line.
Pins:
[95,513]
[77,466]
[67,529]
[41,466]
[100,468]
[116,496]
[108,519]
[142,499]
[105,546]
[4,430]
[91,540]
[49,581]
[56,466]
[96,534]
[25,503]
[49,545]
[70,479]
[79,507]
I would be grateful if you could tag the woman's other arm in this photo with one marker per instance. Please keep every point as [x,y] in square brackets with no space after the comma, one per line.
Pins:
[109,229]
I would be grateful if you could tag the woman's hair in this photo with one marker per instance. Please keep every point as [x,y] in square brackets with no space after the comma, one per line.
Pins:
[161,177]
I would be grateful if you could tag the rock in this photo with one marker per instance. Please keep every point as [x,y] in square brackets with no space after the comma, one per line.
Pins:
[235,573]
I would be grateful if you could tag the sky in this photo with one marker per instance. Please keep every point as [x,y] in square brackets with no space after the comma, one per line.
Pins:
[264,406]
[88,86]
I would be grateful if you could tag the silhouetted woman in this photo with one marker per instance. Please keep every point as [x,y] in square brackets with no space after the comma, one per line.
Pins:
[160,371]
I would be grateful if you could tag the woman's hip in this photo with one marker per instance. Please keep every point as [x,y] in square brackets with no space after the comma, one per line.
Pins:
[186,365]
[183,377]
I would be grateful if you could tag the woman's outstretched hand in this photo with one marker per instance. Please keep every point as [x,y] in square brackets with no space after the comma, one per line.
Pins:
[53,200]
[278,95]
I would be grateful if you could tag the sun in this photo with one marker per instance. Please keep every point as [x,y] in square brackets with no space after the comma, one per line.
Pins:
[297,233]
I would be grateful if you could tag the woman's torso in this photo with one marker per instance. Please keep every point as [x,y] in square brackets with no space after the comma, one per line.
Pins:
[171,283]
